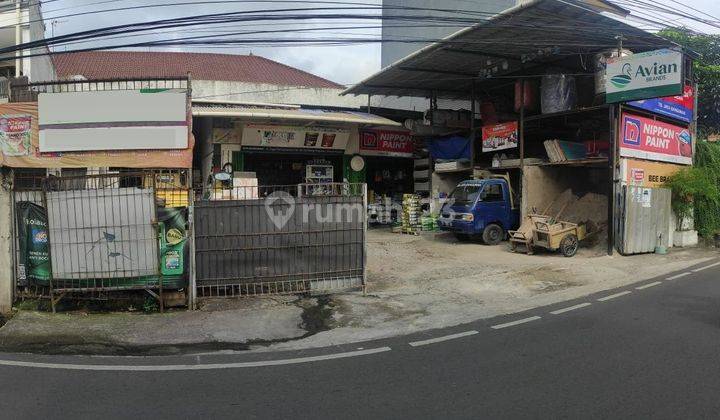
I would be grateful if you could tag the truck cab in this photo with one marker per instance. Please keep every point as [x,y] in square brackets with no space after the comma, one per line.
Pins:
[480,208]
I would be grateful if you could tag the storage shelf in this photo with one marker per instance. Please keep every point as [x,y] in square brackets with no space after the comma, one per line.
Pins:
[566,113]
[578,162]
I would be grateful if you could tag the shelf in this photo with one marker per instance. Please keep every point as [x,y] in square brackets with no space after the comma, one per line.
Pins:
[452,171]
[566,113]
[577,162]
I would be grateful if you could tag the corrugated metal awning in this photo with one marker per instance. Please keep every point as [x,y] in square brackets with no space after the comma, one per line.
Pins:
[522,40]
[280,112]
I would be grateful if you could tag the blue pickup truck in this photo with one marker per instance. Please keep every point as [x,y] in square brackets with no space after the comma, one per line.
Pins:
[480,208]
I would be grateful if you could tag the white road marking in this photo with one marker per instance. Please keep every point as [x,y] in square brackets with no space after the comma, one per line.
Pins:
[645,286]
[513,323]
[677,276]
[570,308]
[603,299]
[706,267]
[443,338]
[213,366]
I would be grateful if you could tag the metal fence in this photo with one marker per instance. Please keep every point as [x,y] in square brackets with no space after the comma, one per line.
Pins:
[101,233]
[23,91]
[257,240]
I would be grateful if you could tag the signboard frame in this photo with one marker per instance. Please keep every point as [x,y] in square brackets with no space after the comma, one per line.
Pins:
[654,140]
[651,74]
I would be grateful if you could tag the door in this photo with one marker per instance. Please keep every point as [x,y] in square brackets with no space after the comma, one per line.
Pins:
[645,219]
[494,204]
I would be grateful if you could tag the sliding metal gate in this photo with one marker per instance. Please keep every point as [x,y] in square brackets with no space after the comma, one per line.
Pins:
[280,240]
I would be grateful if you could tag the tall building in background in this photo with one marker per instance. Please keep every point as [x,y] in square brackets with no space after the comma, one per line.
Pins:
[394,29]
[21,22]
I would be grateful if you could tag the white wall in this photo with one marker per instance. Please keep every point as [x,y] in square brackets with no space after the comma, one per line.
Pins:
[41,68]
[268,93]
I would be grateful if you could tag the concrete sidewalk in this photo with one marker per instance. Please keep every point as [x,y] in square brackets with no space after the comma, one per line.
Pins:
[415,283]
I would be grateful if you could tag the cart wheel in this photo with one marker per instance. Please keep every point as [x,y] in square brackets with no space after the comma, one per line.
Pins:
[569,245]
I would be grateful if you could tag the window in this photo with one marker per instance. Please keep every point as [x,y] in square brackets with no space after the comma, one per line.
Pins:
[492,193]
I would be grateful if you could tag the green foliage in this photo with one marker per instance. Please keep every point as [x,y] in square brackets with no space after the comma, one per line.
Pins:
[696,190]
[707,74]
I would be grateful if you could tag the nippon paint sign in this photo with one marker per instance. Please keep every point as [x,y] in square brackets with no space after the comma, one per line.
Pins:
[645,138]
[651,74]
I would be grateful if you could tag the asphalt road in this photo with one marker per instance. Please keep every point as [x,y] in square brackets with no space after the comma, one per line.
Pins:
[651,352]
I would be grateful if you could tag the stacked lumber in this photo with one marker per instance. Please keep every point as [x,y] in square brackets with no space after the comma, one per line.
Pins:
[563,151]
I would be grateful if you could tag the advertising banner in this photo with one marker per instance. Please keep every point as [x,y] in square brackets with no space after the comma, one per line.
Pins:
[266,137]
[15,133]
[500,136]
[173,236]
[651,74]
[680,107]
[113,120]
[33,158]
[647,174]
[386,143]
[645,138]
[34,264]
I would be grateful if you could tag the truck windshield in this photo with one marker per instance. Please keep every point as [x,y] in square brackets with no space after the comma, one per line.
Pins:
[465,194]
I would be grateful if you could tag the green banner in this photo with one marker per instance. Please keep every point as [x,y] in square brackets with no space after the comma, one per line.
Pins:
[34,265]
[173,236]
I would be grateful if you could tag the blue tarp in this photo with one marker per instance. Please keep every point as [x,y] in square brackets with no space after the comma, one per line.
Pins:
[449,148]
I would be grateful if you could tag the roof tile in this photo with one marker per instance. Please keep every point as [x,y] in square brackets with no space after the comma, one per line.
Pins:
[202,66]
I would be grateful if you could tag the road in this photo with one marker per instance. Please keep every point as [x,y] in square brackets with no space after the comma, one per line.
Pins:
[651,349]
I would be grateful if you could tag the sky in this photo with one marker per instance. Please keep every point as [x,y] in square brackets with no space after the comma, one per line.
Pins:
[345,64]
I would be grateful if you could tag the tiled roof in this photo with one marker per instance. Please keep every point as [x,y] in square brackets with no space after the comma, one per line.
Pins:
[222,67]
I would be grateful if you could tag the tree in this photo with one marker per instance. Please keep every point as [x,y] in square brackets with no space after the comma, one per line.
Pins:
[707,74]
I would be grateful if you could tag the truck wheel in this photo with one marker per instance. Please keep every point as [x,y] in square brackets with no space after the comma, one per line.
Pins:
[493,234]
[569,245]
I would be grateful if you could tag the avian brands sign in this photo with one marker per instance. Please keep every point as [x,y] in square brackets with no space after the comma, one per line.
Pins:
[386,143]
[645,138]
[650,74]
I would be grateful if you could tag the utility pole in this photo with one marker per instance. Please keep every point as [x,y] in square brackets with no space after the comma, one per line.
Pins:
[18,39]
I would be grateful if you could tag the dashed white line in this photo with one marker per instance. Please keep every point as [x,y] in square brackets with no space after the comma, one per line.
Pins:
[677,276]
[645,286]
[603,299]
[165,368]
[443,338]
[570,308]
[706,267]
[513,323]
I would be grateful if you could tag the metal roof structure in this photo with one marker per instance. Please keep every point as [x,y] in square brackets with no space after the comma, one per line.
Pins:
[276,113]
[522,40]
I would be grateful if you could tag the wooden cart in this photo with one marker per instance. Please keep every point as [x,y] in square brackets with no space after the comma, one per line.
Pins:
[524,235]
[563,236]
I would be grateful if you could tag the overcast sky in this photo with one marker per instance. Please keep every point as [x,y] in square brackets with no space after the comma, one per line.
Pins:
[345,64]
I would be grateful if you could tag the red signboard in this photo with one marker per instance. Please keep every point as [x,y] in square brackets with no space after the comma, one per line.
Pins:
[386,143]
[500,136]
[646,138]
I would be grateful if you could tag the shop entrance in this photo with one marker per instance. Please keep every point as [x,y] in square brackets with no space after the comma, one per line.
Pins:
[289,169]
[389,177]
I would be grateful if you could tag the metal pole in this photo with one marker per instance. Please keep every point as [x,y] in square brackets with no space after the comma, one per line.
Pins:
[611,173]
[521,127]
[18,39]
[472,129]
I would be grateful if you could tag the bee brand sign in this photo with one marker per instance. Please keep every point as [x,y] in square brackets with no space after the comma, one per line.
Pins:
[650,74]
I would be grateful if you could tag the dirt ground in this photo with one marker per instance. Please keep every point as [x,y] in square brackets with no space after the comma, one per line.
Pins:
[433,281]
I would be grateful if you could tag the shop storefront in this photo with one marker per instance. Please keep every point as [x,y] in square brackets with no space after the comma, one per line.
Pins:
[288,146]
